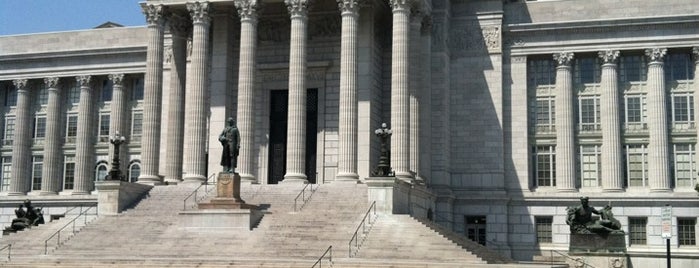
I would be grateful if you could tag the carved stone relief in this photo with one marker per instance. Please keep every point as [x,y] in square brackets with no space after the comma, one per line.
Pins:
[471,36]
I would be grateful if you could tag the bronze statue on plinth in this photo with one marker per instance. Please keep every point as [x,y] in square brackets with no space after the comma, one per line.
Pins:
[230,139]
[588,234]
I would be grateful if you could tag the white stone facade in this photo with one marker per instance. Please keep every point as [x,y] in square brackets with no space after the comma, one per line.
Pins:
[506,112]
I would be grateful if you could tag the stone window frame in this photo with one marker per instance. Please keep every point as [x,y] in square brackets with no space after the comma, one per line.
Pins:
[543,226]
[134,164]
[638,231]
[105,168]
[686,115]
[686,231]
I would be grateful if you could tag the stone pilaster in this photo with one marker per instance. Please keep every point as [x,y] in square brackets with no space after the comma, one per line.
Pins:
[658,159]
[425,92]
[612,173]
[565,124]
[179,27]
[695,53]
[415,85]
[347,162]
[118,117]
[52,170]
[296,130]
[85,139]
[246,88]
[152,99]
[196,102]
[400,97]
[22,141]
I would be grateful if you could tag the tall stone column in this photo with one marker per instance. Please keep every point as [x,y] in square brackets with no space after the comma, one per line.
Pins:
[658,160]
[246,88]
[22,141]
[612,173]
[85,139]
[296,130]
[400,97]
[52,169]
[152,101]
[347,162]
[565,124]
[695,53]
[179,27]
[196,107]
[117,116]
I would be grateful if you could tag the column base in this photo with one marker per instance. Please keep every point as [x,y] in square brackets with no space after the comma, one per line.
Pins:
[347,177]
[48,193]
[247,179]
[193,178]
[567,190]
[295,178]
[173,181]
[15,193]
[150,180]
[406,176]
[661,190]
[80,192]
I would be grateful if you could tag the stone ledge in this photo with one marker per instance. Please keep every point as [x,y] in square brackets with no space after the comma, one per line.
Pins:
[114,196]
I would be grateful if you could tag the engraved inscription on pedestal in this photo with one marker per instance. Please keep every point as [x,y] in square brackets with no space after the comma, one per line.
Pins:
[227,194]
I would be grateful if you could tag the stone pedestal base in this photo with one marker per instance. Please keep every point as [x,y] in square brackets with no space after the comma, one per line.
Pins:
[597,243]
[613,260]
[226,203]
[381,191]
[114,196]
[220,219]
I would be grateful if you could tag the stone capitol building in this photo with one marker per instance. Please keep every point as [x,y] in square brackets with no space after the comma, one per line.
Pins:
[503,112]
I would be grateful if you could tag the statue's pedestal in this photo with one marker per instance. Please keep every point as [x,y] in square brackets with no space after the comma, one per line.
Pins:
[114,196]
[381,191]
[597,243]
[226,212]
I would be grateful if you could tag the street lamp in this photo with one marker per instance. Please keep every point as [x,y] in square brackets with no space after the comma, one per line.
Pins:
[116,140]
[383,169]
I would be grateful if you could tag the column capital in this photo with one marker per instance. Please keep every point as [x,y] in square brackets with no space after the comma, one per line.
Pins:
[117,79]
[20,84]
[297,8]
[695,53]
[155,14]
[83,80]
[247,10]
[179,25]
[51,83]
[609,56]
[349,7]
[563,59]
[200,12]
[400,5]
[656,54]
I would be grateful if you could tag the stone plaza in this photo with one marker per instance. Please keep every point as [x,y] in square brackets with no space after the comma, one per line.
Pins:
[503,112]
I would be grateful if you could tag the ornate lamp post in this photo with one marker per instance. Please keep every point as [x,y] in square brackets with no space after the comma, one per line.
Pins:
[116,140]
[383,169]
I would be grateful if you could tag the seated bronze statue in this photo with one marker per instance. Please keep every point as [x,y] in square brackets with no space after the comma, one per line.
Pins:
[581,221]
[27,216]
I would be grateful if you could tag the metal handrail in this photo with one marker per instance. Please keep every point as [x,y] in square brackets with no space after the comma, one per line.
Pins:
[302,194]
[58,233]
[319,262]
[570,258]
[9,250]
[196,191]
[362,225]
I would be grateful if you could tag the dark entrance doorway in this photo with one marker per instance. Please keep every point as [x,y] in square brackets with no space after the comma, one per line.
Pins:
[475,229]
[279,109]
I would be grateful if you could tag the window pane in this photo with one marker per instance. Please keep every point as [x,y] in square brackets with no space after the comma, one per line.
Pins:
[9,128]
[40,127]
[69,177]
[637,231]
[72,130]
[104,125]
[107,87]
[137,124]
[137,90]
[686,234]
[544,229]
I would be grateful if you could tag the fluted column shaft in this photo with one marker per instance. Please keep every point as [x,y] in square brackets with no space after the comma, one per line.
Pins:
[84,140]
[695,53]
[22,141]
[51,172]
[414,89]
[347,164]
[565,124]
[400,97]
[612,173]
[658,160]
[246,88]
[117,117]
[152,101]
[296,130]
[197,95]
[176,106]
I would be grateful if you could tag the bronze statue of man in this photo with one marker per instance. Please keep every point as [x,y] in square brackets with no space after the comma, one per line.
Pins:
[230,139]
[581,221]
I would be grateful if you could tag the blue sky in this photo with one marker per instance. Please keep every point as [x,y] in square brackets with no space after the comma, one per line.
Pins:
[37,16]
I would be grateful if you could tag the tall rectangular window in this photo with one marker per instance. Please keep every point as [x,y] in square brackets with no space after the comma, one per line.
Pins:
[137,89]
[545,115]
[632,68]
[104,125]
[43,95]
[6,173]
[637,231]
[544,227]
[137,124]
[683,108]
[72,125]
[678,66]
[545,157]
[37,166]
[74,93]
[107,87]
[636,165]
[587,70]
[589,116]
[40,127]
[590,165]
[9,128]
[686,232]
[69,173]
[541,72]
[685,167]
[11,97]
